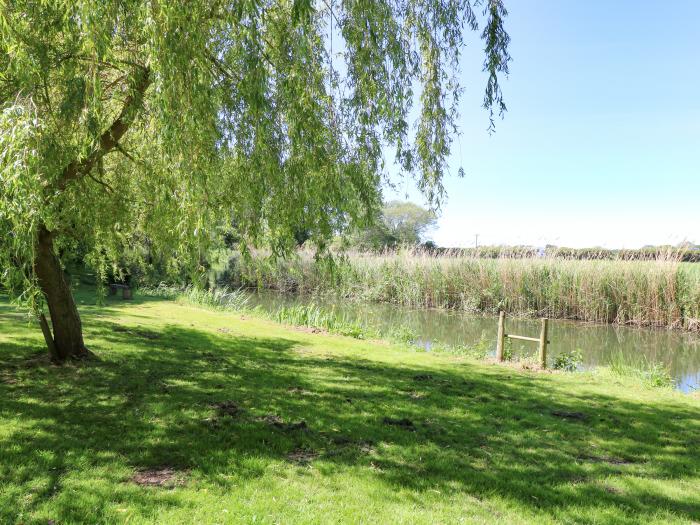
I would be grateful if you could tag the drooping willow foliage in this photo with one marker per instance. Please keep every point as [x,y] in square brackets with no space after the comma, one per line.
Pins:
[128,121]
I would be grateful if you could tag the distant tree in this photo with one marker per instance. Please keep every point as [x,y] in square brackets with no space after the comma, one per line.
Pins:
[429,246]
[301,236]
[407,222]
[399,224]
[123,118]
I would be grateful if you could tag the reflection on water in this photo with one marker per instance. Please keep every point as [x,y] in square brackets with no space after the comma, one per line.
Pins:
[598,343]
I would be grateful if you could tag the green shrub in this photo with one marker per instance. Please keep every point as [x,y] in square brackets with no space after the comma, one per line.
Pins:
[508,353]
[403,334]
[568,361]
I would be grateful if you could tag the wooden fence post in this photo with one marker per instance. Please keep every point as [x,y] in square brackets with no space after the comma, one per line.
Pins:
[543,343]
[501,335]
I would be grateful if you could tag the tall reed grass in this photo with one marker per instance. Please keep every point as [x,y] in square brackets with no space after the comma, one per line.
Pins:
[651,373]
[312,316]
[664,292]
[218,299]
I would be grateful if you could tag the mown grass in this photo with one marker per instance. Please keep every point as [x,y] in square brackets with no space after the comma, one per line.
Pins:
[389,435]
[317,318]
[662,293]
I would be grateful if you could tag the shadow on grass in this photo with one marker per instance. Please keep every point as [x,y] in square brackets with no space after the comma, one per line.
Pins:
[153,403]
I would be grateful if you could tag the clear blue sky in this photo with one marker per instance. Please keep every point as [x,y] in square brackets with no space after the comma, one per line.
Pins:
[601,142]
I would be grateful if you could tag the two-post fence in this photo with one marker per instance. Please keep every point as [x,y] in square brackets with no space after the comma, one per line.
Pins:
[542,339]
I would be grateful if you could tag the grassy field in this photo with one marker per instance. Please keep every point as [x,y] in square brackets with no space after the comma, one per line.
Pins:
[191,415]
[662,293]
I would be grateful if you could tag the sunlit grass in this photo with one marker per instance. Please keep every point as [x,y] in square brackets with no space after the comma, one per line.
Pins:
[322,318]
[389,435]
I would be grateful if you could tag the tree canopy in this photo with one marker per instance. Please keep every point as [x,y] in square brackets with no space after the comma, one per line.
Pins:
[401,223]
[126,119]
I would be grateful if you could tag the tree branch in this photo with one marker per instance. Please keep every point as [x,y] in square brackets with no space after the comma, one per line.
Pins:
[110,138]
[128,155]
[103,183]
[222,68]
[48,336]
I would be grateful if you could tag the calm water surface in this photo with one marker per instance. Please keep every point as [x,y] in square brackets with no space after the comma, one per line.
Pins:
[679,351]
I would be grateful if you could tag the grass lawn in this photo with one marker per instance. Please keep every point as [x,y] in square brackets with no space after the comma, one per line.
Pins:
[197,416]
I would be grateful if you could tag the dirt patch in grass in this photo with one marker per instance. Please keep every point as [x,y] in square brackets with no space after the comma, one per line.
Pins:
[571,416]
[604,459]
[212,358]
[8,379]
[159,477]
[578,480]
[423,377]
[271,419]
[139,332]
[344,442]
[302,456]
[366,447]
[278,423]
[612,490]
[35,360]
[227,408]
[404,423]
[310,330]
[417,395]
[224,330]
[41,359]
[299,391]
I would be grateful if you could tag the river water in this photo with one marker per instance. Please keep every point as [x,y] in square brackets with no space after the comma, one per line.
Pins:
[598,344]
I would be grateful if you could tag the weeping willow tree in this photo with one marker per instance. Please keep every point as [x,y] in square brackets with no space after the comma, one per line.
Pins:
[132,119]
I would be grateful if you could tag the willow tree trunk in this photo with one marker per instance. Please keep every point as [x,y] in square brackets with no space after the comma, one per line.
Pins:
[67,329]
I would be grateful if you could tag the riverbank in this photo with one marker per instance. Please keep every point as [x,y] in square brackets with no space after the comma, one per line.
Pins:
[661,293]
[656,356]
[191,414]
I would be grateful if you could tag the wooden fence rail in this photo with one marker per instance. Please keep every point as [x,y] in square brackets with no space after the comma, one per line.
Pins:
[542,339]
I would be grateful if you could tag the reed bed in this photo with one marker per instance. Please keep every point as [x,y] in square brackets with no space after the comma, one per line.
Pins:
[663,292]
[217,299]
